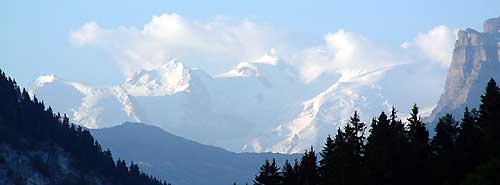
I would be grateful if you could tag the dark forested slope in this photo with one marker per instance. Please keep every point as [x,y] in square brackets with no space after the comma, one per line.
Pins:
[38,146]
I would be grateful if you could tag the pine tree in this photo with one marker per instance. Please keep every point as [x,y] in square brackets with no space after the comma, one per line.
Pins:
[354,146]
[467,146]
[268,175]
[134,169]
[443,148]
[327,163]
[399,145]
[419,150]
[355,135]
[289,175]
[379,151]
[489,121]
[339,160]
[343,158]
[309,169]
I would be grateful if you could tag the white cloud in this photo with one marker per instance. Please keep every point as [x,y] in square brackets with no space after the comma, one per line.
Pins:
[88,34]
[220,43]
[215,44]
[405,45]
[345,53]
[437,44]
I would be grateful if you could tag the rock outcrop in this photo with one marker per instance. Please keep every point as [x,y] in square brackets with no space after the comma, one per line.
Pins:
[475,61]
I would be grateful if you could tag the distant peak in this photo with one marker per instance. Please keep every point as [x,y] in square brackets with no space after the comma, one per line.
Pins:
[269,58]
[174,62]
[46,78]
[253,68]
[166,79]
[41,81]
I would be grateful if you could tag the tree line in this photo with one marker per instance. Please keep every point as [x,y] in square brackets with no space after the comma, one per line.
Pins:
[397,152]
[26,124]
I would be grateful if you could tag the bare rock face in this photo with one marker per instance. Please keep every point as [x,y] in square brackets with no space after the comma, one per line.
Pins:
[492,25]
[475,61]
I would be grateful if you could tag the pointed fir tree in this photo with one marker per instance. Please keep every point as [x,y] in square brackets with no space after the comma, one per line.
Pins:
[355,148]
[467,148]
[378,151]
[308,168]
[419,149]
[339,159]
[289,175]
[399,145]
[443,148]
[443,142]
[355,135]
[268,174]
[489,121]
[327,164]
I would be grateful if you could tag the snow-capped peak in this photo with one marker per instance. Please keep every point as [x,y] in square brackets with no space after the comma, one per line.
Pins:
[41,81]
[254,68]
[169,78]
[268,58]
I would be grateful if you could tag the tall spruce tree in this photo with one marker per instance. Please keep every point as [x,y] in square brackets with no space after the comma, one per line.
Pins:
[343,158]
[355,147]
[467,146]
[268,174]
[443,149]
[338,157]
[489,121]
[289,174]
[309,169]
[419,150]
[378,151]
[327,164]
[399,148]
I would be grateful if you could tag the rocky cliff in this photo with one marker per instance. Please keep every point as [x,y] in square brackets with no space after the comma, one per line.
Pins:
[475,60]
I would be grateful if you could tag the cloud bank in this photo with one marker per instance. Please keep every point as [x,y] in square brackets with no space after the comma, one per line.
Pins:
[216,43]
[219,43]
[437,44]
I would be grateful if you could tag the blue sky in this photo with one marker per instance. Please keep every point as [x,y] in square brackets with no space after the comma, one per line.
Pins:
[34,34]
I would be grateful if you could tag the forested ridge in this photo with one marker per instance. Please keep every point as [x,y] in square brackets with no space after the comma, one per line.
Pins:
[26,125]
[397,152]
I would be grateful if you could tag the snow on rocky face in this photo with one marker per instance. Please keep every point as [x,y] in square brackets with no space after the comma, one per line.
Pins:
[167,79]
[323,114]
[257,106]
[86,105]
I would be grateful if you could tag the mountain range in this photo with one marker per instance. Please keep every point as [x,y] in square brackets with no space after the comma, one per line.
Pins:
[264,105]
[257,106]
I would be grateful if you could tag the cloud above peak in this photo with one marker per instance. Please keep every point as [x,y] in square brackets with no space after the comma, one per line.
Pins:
[217,43]
[220,43]
[347,54]
[88,34]
[435,44]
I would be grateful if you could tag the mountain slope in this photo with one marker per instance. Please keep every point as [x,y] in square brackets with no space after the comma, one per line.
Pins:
[257,101]
[40,147]
[324,113]
[182,161]
[185,100]
[475,61]
[86,105]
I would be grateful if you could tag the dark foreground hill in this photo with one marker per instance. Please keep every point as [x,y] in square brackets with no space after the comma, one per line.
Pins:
[181,161]
[39,147]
